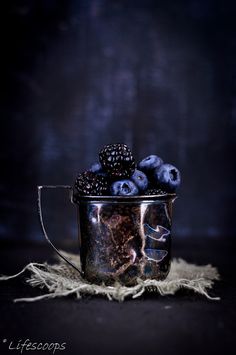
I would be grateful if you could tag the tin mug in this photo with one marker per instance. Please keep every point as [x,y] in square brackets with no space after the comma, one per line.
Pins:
[121,239]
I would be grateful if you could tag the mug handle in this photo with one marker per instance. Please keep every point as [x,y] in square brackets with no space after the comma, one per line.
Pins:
[42,223]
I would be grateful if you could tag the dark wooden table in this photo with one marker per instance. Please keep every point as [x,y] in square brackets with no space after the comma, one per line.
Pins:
[182,324]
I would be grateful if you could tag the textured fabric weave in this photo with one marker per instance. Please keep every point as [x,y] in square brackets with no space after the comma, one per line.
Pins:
[60,279]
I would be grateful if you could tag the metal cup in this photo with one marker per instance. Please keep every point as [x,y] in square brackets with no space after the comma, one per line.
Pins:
[122,239]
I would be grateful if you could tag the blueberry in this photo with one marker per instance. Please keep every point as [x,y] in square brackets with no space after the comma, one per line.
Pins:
[124,188]
[140,180]
[150,163]
[168,177]
[96,168]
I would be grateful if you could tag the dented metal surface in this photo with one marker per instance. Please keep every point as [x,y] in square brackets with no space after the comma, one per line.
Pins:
[122,241]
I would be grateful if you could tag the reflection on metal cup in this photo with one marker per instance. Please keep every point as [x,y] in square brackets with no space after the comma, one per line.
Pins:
[125,238]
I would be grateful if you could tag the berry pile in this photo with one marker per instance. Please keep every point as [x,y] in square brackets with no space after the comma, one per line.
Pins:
[116,174]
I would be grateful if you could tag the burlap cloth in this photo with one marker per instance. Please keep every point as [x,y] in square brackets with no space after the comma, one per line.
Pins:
[60,279]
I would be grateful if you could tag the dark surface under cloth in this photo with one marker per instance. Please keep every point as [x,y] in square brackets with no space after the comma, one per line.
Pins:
[152,324]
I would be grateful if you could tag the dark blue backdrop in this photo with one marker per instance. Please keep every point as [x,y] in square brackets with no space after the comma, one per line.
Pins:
[157,75]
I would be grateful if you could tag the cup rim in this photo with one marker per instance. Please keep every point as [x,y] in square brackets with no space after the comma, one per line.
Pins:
[115,199]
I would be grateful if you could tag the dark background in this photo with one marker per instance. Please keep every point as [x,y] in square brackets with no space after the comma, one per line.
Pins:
[157,75]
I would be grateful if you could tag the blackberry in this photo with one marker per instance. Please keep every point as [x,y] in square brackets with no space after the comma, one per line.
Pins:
[117,161]
[89,183]
[154,192]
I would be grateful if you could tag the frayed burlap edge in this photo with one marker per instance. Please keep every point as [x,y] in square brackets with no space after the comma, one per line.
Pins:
[62,280]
